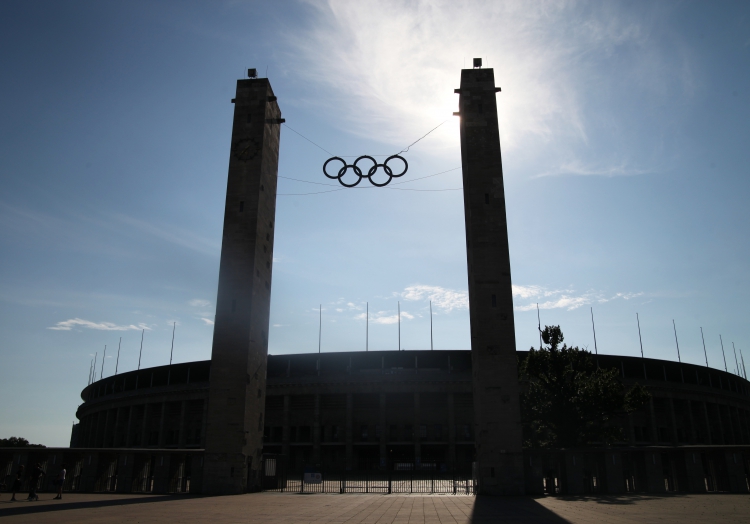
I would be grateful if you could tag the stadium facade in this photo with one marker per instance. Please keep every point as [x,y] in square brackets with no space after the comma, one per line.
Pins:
[145,431]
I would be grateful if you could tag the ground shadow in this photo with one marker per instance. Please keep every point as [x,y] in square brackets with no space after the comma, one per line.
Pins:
[624,499]
[23,507]
[489,509]
[631,498]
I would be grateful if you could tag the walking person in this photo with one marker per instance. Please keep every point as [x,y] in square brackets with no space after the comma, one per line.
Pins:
[36,474]
[16,483]
[60,481]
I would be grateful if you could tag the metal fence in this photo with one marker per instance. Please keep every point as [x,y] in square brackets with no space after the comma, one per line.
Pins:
[393,479]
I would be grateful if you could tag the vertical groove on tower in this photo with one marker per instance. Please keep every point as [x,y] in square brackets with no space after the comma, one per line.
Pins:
[493,345]
[237,391]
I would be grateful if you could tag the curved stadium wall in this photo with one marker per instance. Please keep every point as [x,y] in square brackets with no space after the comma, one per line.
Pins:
[363,410]
[144,431]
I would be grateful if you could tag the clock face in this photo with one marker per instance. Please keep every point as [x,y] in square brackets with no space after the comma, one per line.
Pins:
[246,149]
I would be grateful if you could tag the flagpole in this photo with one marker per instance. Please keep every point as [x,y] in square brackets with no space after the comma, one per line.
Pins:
[645,375]
[678,350]
[117,364]
[320,325]
[539,325]
[171,352]
[141,351]
[399,326]
[431,344]
[704,347]
[593,327]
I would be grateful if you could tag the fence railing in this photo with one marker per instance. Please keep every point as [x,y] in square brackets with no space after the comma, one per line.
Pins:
[275,477]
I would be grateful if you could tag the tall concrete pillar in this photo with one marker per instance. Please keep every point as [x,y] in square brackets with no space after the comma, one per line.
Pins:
[237,385]
[493,342]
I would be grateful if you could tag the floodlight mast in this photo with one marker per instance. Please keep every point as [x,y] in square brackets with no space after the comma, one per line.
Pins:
[645,375]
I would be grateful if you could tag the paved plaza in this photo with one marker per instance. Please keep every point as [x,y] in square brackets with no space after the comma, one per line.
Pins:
[288,508]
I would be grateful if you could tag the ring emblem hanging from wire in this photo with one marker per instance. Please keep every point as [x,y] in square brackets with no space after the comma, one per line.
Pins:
[371,172]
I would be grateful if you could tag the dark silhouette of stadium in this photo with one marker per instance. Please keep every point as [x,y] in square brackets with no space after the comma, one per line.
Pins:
[436,421]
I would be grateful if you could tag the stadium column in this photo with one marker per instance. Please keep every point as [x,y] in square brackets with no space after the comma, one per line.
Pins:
[451,431]
[316,431]
[349,430]
[285,429]
[383,435]
[416,435]
[237,387]
[493,345]
[144,425]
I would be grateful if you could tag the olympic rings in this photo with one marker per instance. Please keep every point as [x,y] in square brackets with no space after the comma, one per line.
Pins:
[370,172]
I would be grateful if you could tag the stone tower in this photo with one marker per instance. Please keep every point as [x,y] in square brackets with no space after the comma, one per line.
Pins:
[493,342]
[237,390]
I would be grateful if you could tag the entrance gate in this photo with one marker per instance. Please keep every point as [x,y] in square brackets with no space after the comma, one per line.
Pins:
[400,477]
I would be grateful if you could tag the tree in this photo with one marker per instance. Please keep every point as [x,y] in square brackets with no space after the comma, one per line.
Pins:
[17,442]
[570,401]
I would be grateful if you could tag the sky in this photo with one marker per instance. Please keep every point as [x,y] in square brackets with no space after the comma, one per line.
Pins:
[624,129]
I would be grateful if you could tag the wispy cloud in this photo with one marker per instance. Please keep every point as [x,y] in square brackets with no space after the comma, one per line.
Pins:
[393,65]
[385,317]
[91,230]
[563,299]
[442,298]
[199,302]
[67,325]
[578,169]
[207,321]
[173,234]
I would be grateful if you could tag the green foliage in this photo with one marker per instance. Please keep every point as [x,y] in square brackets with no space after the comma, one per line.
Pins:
[18,442]
[570,401]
